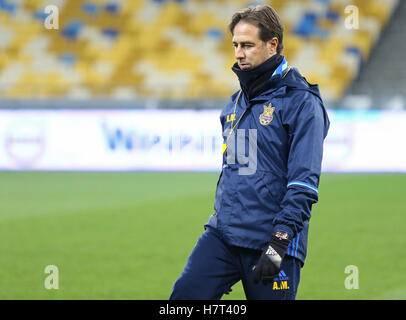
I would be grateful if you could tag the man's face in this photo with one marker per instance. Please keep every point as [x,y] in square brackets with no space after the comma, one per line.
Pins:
[250,50]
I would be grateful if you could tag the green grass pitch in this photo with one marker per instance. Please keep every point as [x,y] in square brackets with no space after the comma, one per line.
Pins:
[128,235]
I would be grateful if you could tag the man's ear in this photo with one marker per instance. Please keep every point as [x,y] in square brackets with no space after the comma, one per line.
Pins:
[272,46]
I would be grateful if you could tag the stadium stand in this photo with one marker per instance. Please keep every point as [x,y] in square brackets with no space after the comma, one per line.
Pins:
[381,82]
[171,49]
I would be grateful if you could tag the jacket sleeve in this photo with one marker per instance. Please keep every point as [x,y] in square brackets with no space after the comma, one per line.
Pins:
[307,128]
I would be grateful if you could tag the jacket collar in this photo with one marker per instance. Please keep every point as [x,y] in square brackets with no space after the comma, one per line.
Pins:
[285,78]
[256,80]
[280,70]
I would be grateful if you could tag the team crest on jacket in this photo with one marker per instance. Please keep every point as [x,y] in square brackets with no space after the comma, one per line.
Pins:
[267,116]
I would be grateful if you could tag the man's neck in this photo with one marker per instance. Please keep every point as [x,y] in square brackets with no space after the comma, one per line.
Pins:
[253,81]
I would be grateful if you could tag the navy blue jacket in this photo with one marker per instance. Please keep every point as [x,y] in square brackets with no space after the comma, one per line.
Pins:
[291,124]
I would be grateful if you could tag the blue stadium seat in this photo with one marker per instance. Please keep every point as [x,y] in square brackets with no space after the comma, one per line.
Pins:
[110,32]
[91,8]
[72,30]
[8,7]
[68,58]
[353,50]
[308,27]
[40,15]
[215,33]
[112,8]
[332,15]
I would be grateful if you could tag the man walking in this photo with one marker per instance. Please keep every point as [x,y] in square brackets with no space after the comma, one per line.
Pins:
[259,229]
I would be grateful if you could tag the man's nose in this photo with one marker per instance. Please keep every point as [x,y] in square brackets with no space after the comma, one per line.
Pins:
[239,53]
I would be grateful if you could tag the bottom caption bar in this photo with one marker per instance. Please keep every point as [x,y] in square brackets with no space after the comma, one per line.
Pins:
[202,309]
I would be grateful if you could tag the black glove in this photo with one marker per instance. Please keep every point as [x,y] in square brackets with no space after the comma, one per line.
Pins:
[269,264]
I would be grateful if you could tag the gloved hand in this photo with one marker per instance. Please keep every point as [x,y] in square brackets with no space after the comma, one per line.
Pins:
[269,264]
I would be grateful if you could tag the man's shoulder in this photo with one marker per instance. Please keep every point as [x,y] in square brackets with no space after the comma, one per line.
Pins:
[298,88]
[295,80]
[232,99]
[235,95]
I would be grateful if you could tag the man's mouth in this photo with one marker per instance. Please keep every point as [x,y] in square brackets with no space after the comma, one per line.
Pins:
[243,65]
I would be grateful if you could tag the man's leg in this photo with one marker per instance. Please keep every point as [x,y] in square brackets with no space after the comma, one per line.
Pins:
[283,287]
[210,270]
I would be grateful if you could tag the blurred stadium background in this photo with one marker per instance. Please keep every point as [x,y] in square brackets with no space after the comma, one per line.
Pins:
[137,85]
[160,50]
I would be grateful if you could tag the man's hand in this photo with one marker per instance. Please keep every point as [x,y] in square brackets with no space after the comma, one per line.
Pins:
[270,262]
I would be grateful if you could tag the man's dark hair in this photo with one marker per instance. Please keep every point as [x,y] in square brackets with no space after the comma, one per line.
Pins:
[265,18]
